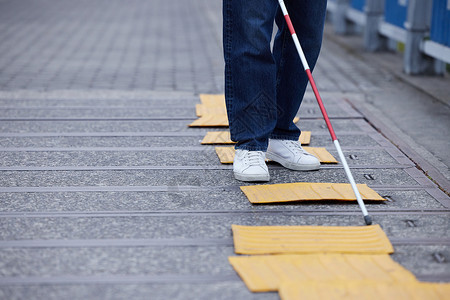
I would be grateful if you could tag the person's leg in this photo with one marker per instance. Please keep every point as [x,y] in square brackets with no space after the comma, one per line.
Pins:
[250,71]
[308,17]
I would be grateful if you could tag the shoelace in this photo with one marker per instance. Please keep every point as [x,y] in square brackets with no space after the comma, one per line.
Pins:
[254,158]
[295,146]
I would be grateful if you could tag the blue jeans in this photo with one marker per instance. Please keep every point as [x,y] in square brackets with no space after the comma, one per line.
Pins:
[264,88]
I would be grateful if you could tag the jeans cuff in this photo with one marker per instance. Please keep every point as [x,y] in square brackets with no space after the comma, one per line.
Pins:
[284,137]
[251,148]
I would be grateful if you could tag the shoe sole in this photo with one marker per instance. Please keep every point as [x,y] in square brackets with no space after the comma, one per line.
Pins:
[290,165]
[249,178]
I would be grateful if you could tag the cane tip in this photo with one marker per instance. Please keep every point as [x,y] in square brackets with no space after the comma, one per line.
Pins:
[368,220]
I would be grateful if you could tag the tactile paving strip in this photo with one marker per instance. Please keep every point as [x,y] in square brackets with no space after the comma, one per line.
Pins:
[310,239]
[371,290]
[223,137]
[211,121]
[212,112]
[204,110]
[213,100]
[305,191]
[217,137]
[226,154]
[215,121]
[264,273]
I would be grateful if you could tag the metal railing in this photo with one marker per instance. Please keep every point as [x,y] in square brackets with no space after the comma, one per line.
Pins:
[422,26]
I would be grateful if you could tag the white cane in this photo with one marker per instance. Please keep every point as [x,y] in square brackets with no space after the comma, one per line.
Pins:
[367,218]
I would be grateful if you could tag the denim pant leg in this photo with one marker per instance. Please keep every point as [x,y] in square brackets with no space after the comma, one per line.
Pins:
[250,71]
[308,17]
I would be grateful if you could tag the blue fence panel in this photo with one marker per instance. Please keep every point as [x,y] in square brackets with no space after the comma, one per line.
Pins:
[440,22]
[395,12]
[358,4]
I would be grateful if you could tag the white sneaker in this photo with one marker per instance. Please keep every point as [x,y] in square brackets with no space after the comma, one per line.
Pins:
[291,155]
[250,166]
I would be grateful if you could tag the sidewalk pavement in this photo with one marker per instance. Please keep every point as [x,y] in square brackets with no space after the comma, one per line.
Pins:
[106,193]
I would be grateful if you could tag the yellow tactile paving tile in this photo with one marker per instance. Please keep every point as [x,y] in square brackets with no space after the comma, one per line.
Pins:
[310,239]
[217,137]
[219,120]
[306,191]
[212,99]
[211,121]
[305,137]
[203,110]
[264,273]
[226,154]
[370,290]
[322,154]
[223,137]
[214,104]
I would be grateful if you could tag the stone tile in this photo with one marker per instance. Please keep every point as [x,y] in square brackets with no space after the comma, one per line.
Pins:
[176,291]
[170,177]
[151,261]
[316,126]
[204,226]
[231,199]
[154,156]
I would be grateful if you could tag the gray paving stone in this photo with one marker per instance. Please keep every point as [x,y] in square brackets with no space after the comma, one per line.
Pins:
[110,46]
[210,261]
[95,126]
[394,177]
[350,140]
[376,176]
[145,126]
[210,200]
[204,157]
[198,156]
[176,291]
[421,262]
[116,261]
[95,102]
[198,226]
[100,113]
[99,141]
[130,111]
[118,98]
[367,157]
[322,140]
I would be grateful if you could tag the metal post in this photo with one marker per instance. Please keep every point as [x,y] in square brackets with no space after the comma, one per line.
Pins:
[373,41]
[417,25]
[340,23]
